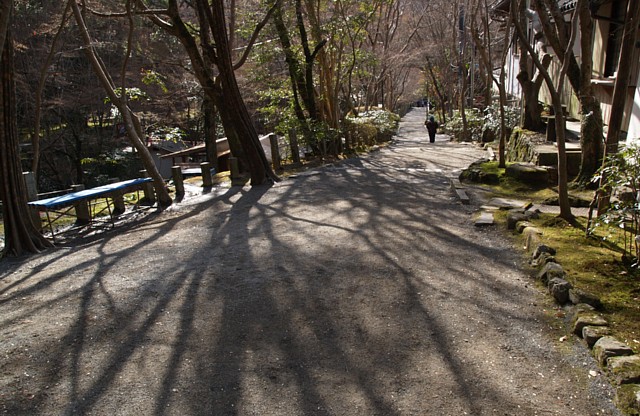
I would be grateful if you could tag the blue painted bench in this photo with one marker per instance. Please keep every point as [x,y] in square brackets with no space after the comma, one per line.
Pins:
[78,204]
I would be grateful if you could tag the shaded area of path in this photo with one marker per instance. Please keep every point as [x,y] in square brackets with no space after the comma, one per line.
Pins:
[359,288]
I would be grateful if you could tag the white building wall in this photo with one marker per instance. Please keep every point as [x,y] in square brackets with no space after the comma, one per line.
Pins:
[513,67]
[633,133]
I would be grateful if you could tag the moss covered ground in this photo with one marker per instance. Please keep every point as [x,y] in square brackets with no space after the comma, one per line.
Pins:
[594,263]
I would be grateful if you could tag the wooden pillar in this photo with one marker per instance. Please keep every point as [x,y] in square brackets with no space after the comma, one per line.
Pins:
[83,215]
[275,152]
[207,181]
[147,188]
[551,128]
[118,203]
[178,180]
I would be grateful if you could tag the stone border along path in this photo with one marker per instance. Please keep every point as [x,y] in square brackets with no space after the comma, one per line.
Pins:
[614,357]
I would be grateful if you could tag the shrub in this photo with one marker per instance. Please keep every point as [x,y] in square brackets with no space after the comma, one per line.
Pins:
[491,118]
[370,127]
[480,123]
[475,123]
[621,174]
[122,165]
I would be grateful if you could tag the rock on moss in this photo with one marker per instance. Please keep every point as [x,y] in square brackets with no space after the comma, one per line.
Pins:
[521,225]
[527,173]
[559,289]
[531,237]
[521,146]
[608,347]
[591,334]
[514,217]
[542,249]
[579,296]
[624,370]
[587,318]
[550,271]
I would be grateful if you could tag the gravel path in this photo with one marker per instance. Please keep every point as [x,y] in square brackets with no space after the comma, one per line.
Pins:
[361,288]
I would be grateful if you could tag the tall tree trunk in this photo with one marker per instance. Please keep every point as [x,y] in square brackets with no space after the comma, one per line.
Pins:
[295,73]
[21,234]
[591,125]
[223,89]
[308,94]
[5,18]
[210,135]
[438,90]
[483,45]
[232,107]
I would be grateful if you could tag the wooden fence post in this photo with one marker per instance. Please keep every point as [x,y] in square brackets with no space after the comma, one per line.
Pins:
[275,152]
[147,188]
[178,181]
[83,216]
[118,201]
[207,181]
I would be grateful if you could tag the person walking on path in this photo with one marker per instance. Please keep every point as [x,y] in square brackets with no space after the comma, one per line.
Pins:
[432,128]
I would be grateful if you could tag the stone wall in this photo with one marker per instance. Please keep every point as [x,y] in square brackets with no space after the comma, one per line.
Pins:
[521,146]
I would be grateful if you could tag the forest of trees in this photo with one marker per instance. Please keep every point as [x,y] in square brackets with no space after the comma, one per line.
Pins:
[81,72]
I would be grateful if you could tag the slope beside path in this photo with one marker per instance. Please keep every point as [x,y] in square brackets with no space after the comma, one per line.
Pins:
[361,288]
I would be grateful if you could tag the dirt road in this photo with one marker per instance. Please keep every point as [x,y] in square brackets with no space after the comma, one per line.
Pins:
[357,289]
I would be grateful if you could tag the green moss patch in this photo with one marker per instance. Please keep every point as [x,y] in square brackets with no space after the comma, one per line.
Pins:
[593,264]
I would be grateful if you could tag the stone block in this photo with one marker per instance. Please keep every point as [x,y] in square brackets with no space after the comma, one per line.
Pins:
[607,347]
[550,271]
[531,238]
[583,307]
[628,399]
[506,203]
[514,217]
[485,218]
[582,319]
[543,248]
[559,289]
[462,196]
[591,334]
[624,370]
[527,173]
[543,259]
[577,296]
[521,225]
[455,184]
